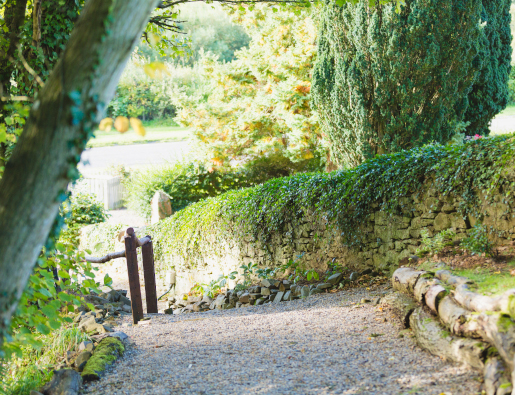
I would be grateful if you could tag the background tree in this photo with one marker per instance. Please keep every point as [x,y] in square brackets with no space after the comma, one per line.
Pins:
[387,81]
[258,105]
[490,94]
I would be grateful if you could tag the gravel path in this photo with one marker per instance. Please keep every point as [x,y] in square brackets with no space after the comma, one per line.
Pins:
[320,345]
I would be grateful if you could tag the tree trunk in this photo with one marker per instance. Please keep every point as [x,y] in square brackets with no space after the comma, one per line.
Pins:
[60,122]
[404,279]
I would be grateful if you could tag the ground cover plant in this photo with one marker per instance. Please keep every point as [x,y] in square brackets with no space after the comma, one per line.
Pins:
[343,198]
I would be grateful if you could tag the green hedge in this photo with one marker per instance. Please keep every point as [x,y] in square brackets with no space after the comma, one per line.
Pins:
[344,197]
[188,182]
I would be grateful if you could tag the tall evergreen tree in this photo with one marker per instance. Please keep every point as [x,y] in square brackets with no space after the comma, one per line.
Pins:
[489,95]
[385,81]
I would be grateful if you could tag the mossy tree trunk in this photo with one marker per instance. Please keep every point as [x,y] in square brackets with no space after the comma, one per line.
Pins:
[60,122]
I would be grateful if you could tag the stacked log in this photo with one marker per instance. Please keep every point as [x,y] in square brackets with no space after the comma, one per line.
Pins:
[453,322]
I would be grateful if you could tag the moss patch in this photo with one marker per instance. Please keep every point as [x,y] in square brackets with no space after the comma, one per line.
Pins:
[488,281]
[107,351]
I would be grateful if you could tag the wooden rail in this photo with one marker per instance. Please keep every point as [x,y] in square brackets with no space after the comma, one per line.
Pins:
[130,254]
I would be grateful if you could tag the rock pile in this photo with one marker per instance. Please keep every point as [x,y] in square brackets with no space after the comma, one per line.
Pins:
[107,306]
[267,291]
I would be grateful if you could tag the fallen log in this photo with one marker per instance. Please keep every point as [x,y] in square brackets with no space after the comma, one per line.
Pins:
[106,258]
[430,335]
[401,305]
[480,303]
[495,328]
[433,296]
[404,279]
[449,278]
[496,377]
[421,288]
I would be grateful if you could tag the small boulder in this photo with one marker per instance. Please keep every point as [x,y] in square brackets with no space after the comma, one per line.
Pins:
[81,360]
[315,291]
[259,301]
[278,297]
[335,278]
[353,276]
[86,346]
[168,311]
[324,285]
[304,292]
[287,295]
[244,298]
[265,291]
[88,325]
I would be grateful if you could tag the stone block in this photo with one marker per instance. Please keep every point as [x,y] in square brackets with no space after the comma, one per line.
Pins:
[161,207]
[278,297]
[401,234]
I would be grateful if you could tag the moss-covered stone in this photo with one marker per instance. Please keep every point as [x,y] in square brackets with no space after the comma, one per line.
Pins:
[108,350]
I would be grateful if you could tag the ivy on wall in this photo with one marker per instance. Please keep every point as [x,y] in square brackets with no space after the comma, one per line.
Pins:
[472,172]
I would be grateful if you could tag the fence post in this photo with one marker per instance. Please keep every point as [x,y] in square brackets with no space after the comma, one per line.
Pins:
[150,276]
[132,269]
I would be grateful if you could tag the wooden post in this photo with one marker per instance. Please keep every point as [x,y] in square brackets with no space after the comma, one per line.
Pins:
[132,270]
[150,276]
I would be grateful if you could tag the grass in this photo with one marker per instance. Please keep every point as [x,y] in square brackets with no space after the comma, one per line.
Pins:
[154,134]
[21,375]
[488,281]
[509,110]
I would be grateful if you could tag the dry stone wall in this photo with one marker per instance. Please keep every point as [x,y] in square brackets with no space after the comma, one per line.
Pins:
[388,240]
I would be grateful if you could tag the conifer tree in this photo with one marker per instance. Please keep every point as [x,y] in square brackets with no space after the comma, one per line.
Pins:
[386,81]
[489,95]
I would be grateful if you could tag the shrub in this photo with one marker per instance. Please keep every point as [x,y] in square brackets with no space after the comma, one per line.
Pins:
[511,86]
[477,242]
[399,80]
[82,209]
[436,244]
[190,181]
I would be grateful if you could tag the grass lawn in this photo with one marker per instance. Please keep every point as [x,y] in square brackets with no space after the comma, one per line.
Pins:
[509,110]
[154,133]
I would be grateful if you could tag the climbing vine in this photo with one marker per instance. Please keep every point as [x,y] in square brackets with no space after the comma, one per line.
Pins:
[474,172]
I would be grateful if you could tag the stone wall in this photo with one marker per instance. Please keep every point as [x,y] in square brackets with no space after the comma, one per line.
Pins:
[389,239]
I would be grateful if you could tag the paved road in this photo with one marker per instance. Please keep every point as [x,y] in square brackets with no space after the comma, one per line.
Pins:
[95,159]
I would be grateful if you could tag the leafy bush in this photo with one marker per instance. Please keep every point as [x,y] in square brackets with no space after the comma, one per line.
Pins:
[189,182]
[477,242]
[436,244]
[343,198]
[82,209]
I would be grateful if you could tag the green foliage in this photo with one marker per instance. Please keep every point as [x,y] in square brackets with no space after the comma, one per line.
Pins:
[207,28]
[436,244]
[34,366]
[489,94]
[477,242]
[190,181]
[248,270]
[100,238]
[257,106]
[343,198]
[214,286]
[46,300]
[511,86]
[400,80]
[82,209]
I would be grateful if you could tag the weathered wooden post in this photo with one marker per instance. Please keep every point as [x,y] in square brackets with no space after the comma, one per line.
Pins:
[149,274]
[131,243]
